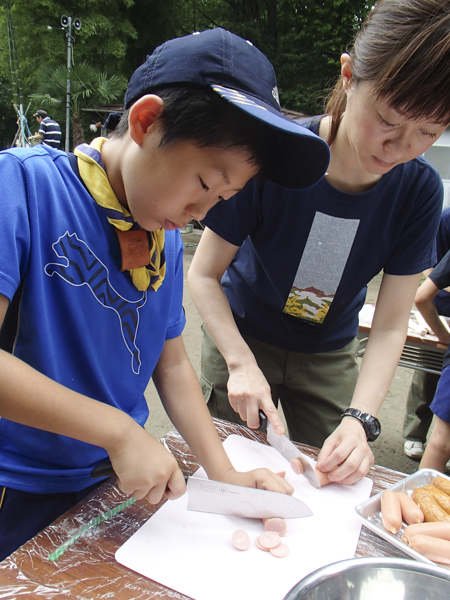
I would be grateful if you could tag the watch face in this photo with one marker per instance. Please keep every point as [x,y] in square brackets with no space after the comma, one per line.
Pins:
[373,428]
[371,424]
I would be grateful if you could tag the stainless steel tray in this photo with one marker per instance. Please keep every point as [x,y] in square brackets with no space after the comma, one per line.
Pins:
[370,512]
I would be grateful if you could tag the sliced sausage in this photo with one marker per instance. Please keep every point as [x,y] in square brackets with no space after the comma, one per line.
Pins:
[269,539]
[391,512]
[323,478]
[280,551]
[275,524]
[258,545]
[240,539]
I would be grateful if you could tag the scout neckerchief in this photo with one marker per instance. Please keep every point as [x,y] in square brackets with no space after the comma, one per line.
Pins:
[142,251]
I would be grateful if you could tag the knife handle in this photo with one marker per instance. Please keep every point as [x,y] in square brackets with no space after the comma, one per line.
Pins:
[262,420]
[105,469]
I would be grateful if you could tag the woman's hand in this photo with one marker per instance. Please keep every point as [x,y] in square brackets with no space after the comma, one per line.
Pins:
[345,456]
[248,393]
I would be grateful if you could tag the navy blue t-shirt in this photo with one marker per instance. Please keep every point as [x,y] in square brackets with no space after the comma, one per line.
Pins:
[298,280]
[440,276]
[442,300]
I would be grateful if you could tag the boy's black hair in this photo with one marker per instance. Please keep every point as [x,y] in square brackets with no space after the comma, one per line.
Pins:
[198,114]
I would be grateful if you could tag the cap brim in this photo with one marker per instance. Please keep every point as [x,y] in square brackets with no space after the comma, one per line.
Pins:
[301,157]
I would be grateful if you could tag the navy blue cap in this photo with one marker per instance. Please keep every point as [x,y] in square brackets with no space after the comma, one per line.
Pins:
[244,76]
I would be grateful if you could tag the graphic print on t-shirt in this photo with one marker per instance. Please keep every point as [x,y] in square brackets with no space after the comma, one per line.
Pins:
[321,266]
[80,266]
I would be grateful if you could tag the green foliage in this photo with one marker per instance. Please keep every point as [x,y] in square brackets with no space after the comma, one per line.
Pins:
[88,87]
[303,39]
[312,37]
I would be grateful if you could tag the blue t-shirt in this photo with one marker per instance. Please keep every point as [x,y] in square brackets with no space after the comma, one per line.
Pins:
[82,322]
[298,280]
[440,276]
[442,300]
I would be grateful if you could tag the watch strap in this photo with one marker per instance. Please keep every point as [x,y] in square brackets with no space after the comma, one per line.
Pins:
[364,419]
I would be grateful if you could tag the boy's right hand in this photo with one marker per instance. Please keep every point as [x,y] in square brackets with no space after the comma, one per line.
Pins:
[144,468]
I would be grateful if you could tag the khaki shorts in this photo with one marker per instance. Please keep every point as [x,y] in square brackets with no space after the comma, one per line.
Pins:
[313,389]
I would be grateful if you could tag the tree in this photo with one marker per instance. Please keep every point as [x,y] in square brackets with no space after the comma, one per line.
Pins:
[312,36]
[303,38]
[88,86]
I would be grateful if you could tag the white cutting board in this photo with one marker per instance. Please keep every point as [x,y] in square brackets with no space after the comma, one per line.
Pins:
[192,553]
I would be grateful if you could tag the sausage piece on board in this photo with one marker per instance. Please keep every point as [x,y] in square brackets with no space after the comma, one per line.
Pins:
[280,551]
[240,539]
[275,524]
[269,539]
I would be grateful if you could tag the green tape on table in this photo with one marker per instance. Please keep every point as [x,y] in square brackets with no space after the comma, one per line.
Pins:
[95,521]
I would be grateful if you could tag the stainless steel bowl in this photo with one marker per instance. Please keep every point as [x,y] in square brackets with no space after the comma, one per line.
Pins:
[374,579]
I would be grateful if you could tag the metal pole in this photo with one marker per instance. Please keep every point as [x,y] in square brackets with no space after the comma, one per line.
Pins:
[69,58]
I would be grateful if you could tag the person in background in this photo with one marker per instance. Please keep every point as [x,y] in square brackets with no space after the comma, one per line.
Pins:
[111,122]
[418,415]
[49,130]
[91,255]
[280,276]
[437,449]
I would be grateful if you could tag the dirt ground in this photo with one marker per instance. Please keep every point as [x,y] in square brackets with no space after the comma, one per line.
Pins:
[388,449]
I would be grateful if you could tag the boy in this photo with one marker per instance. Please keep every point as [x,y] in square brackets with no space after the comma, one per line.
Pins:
[437,450]
[97,257]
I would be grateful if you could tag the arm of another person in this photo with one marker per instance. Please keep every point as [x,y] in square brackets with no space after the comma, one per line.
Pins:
[181,395]
[346,455]
[427,272]
[424,302]
[141,462]
[248,390]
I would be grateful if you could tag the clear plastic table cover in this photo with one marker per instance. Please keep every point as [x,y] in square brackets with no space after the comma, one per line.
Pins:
[88,569]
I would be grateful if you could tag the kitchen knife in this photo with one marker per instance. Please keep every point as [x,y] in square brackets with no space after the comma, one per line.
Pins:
[287,449]
[205,495]
[221,498]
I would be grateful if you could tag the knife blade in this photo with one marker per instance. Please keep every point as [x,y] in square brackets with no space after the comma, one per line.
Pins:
[206,495]
[289,451]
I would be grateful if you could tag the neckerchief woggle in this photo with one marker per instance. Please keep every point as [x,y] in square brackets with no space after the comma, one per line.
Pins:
[142,251]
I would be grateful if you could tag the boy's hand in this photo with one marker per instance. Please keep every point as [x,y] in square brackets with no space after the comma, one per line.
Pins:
[145,468]
[263,479]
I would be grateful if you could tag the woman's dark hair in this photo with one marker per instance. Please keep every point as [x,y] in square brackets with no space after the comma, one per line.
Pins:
[403,49]
[200,115]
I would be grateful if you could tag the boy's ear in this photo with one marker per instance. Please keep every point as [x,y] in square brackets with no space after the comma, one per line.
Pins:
[143,114]
[346,70]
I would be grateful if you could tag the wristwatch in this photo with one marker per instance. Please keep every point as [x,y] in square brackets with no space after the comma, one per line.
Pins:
[371,424]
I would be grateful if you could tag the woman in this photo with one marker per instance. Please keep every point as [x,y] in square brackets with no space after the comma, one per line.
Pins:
[295,264]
